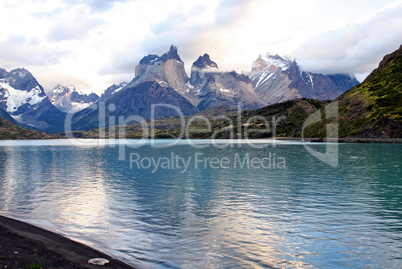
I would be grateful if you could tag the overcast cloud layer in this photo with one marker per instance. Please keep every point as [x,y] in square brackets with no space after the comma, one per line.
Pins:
[95,43]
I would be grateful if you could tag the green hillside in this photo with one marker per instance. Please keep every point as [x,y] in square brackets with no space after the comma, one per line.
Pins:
[10,131]
[373,109]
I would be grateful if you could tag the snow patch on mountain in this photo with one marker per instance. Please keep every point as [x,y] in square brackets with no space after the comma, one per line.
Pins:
[226,90]
[265,76]
[17,98]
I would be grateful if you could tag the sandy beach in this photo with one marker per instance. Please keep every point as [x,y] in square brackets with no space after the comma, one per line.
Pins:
[26,246]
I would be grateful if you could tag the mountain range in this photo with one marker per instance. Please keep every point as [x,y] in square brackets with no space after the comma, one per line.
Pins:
[370,111]
[163,80]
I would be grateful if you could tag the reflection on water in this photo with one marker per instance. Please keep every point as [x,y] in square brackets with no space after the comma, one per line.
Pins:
[306,215]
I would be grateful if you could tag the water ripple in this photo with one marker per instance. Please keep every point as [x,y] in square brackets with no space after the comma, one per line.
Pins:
[308,215]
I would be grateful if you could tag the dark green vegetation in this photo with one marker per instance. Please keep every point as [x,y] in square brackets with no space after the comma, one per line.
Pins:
[10,131]
[166,128]
[279,120]
[372,109]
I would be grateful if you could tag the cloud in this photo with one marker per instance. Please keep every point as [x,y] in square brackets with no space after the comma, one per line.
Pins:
[173,22]
[99,5]
[214,29]
[18,51]
[101,41]
[77,28]
[229,11]
[356,47]
[122,63]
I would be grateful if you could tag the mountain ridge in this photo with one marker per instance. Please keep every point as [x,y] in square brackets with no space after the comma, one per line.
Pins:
[206,88]
[369,112]
[134,102]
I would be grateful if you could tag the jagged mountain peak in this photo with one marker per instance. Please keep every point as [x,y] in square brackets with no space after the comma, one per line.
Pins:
[60,89]
[205,62]
[21,72]
[19,91]
[167,70]
[172,54]
[16,73]
[21,79]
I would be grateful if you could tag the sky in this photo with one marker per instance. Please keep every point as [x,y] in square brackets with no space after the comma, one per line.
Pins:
[95,43]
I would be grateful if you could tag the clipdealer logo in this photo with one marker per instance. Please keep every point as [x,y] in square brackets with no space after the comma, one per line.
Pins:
[238,136]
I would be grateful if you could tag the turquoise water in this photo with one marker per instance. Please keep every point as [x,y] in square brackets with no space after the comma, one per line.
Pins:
[271,207]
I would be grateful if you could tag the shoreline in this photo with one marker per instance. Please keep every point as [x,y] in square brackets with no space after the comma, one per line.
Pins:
[307,140]
[23,245]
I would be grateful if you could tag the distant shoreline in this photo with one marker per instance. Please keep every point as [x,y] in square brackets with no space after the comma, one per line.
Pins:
[23,245]
[310,140]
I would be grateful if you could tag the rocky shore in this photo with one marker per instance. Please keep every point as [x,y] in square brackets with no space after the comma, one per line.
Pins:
[26,246]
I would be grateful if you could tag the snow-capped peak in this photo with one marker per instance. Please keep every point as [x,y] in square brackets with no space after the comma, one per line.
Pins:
[269,60]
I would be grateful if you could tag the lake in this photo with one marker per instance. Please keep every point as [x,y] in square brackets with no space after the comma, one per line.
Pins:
[205,205]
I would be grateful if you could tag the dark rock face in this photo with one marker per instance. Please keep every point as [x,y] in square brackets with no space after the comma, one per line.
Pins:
[84,98]
[25,100]
[151,58]
[204,62]
[278,78]
[343,82]
[5,115]
[170,55]
[136,101]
